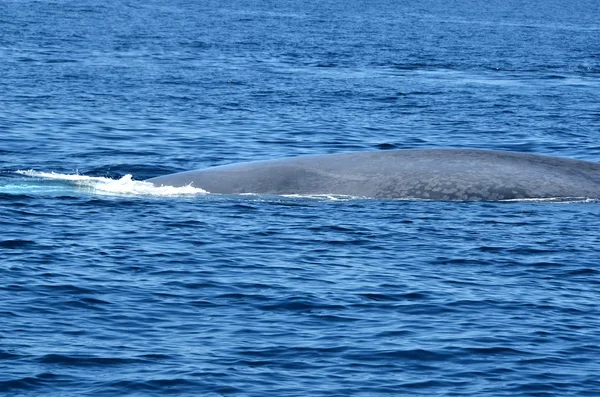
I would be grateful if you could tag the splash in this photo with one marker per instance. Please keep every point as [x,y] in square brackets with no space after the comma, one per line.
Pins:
[124,186]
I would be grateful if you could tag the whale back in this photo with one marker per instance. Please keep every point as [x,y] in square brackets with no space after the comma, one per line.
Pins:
[437,174]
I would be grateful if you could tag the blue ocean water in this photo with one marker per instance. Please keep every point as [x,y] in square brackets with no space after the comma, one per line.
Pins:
[109,287]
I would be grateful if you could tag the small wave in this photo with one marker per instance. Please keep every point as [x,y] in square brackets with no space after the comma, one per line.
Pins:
[123,186]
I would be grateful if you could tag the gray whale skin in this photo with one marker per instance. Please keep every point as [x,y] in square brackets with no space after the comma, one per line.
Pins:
[436,174]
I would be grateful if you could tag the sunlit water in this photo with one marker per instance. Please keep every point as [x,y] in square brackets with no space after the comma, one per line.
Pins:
[111,286]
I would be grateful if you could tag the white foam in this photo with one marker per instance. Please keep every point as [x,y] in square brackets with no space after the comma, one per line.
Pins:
[124,186]
[559,200]
[330,197]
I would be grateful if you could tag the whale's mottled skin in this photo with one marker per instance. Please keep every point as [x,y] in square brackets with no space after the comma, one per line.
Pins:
[436,174]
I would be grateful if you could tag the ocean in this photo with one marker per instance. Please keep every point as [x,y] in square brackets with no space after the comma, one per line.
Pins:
[112,287]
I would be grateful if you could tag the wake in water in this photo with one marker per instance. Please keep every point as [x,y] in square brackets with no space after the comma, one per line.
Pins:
[53,183]
[45,182]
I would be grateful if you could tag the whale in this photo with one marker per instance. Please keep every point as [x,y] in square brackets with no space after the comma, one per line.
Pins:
[426,174]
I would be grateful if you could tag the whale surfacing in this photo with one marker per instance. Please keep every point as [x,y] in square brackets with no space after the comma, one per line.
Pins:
[434,174]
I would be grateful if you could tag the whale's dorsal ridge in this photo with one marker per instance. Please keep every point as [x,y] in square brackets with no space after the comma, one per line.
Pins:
[438,174]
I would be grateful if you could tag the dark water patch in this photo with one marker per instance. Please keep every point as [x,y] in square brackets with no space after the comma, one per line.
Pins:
[392,98]
[417,309]
[206,303]
[473,304]
[408,354]
[461,261]
[66,289]
[429,384]
[548,360]
[379,297]
[186,224]
[4,355]
[278,354]
[387,146]
[13,287]
[547,264]
[544,388]
[198,243]
[162,386]
[529,251]
[198,285]
[414,66]
[244,207]
[242,297]
[491,249]
[333,228]
[156,356]
[87,304]
[48,380]
[409,296]
[8,314]
[353,242]
[35,213]
[67,198]
[17,244]
[584,272]
[16,197]
[494,351]
[85,361]
[556,77]
[299,305]
[331,318]
[51,61]
[98,203]
[414,295]
[327,65]
[25,383]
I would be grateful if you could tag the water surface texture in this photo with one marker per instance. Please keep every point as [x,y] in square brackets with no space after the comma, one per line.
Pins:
[109,286]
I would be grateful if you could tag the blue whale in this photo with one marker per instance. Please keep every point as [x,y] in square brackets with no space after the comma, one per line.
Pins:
[434,174]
